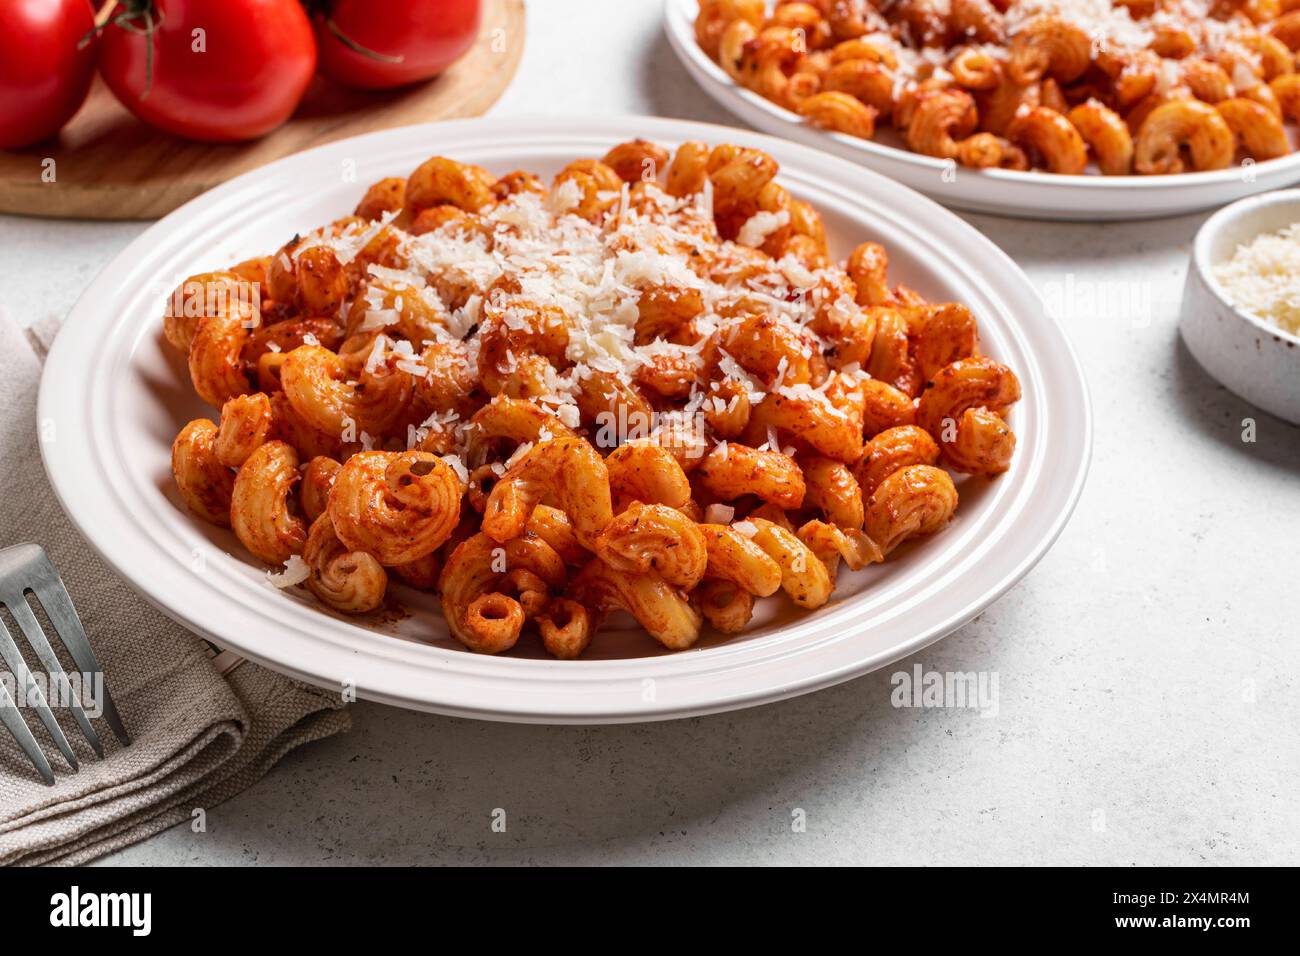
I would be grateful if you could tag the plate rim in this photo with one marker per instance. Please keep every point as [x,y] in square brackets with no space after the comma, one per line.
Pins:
[678,27]
[54,401]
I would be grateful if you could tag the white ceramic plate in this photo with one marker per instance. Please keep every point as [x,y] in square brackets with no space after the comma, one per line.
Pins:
[114,396]
[1025,195]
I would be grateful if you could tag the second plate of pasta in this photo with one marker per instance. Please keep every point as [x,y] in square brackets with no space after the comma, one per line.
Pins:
[385,467]
[1229,107]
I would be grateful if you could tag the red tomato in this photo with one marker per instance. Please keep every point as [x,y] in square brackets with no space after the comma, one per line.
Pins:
[44,77]
[415,39]
[222,70]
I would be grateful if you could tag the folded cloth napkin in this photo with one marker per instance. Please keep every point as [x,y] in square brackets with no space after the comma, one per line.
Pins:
[198,738]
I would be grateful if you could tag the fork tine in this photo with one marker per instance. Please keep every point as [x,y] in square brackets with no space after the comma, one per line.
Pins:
[12,657]
[10,717]
[53,596]
[31,628]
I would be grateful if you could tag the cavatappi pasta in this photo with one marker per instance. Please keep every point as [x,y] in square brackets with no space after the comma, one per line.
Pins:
[643,387]
[1139,86]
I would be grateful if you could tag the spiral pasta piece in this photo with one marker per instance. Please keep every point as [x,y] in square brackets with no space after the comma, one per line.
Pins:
[315,382]
[726,606]
[566,628]
[511,420]
[261,504]
[216,361]
[803,576]
[661,609]
[567,469]
[736,558]
[733,470]
[205,484]
[983,444]
[832,490]
[396,506]
[441,180]
[317,482]
[891,450]
[913,501]
[966,383]
[646,472]
[490,589]
[1049,46]
[658,538]
[353,582]
[832,429]
[832,545]
[1179,124]
[1106,132]
[246,423]
[198,297]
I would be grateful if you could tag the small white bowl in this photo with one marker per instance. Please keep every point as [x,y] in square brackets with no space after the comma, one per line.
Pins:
[1253,358]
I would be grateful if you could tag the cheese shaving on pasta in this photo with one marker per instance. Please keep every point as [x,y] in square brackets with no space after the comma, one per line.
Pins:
[295,571]
[1109,24]
[596,274]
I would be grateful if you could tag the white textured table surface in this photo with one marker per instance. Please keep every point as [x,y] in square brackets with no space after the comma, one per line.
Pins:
[1148,708]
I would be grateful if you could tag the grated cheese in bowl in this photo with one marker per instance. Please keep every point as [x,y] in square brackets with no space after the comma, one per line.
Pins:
[1263,278]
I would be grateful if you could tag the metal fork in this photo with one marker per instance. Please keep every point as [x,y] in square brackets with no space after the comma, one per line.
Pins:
[27,568]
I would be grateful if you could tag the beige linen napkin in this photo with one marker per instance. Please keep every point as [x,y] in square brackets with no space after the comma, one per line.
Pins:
[198,738]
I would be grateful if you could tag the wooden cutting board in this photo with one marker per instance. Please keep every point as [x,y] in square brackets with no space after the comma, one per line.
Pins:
[108,165]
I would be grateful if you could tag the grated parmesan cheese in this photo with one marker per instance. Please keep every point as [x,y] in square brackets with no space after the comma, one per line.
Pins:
[565,196]
[458,466]
[759,226]
[376,356]
[1263,278]
[296,570]
[593,274]
[1107,23]
[719,514]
